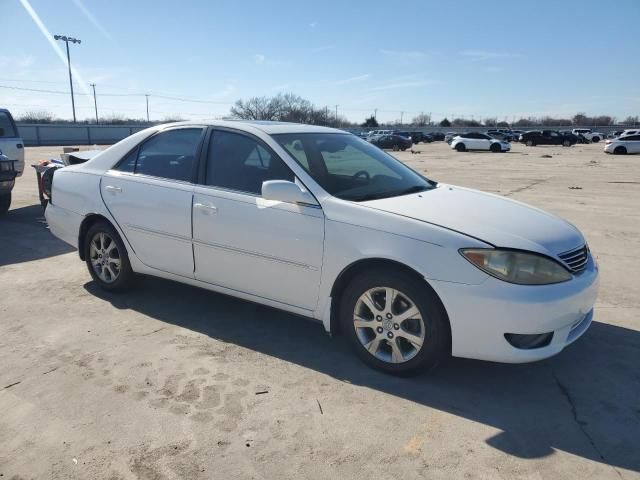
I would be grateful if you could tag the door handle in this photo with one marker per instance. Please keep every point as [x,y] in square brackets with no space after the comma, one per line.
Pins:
[113,189]
[206,208]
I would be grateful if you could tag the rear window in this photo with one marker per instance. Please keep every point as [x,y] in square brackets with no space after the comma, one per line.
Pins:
[7,128]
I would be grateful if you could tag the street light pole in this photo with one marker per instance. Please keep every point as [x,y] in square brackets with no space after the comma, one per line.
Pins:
[147,97]
[95,102]
[66,40]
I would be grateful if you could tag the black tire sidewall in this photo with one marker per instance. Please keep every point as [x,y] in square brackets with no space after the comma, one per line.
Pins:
[5,203]
[460,147]
[436,346]
[126,273]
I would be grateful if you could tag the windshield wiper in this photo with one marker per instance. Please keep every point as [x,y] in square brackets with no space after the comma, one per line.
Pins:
[414,189]
[381,195]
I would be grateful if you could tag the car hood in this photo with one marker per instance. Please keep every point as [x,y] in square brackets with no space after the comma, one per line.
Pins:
[496,220]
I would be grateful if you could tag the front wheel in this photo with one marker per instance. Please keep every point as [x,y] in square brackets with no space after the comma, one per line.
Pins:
[595,139]
[395,322]
[461,147]
[106,257]
[396,148]
[566,143]
[530,143]
[495,147]
[5,202]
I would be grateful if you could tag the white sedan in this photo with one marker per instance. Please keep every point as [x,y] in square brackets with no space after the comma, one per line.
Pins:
[623,144]
[320,223]
[479,141]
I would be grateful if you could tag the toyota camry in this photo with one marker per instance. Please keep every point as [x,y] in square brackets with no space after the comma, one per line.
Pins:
[321,223]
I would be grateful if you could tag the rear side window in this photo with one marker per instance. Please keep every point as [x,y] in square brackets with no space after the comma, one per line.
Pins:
[631,138]
[7,128]
[242,163]
[170,155]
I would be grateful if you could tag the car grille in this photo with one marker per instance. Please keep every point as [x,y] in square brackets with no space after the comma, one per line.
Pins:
[576,260]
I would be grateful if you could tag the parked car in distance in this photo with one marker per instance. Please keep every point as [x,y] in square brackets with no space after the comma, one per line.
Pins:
[623,145]
[376,133]
[478,141]
[11,158]
[516,135]
[437,136]
[589,134]
[631,131]
[548,137]
[320,223]
[391,142]
[449,136]
[501,135]
[416,137]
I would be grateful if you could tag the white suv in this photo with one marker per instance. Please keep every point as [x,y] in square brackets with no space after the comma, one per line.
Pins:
[589,134]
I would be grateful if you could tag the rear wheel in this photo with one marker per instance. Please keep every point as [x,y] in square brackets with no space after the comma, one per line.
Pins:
[620,151]
[595,139]
[566,143]
[395,322]
[461,147]
[530,143]
[495,147]
[106,257]
[5,202]
[396,148]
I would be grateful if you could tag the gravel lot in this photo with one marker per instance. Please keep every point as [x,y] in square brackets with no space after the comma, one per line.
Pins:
[174,382]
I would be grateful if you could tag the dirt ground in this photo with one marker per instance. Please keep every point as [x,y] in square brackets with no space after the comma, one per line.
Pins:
[173,382]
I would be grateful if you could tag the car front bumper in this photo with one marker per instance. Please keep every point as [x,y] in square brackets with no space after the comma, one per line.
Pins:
[481,315]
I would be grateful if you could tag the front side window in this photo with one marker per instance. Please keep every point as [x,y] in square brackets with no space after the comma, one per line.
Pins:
[242,163]
[350,168]
[6,126]
[171,154]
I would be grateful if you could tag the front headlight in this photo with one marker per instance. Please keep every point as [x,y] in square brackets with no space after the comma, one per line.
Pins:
[517,267]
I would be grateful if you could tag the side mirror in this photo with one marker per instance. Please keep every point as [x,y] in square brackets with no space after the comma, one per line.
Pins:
[285,191]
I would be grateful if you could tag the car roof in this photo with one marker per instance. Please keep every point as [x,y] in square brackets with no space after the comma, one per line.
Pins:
[267,127]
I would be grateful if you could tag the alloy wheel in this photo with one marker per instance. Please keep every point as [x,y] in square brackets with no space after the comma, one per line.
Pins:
[105,257]
[389,325]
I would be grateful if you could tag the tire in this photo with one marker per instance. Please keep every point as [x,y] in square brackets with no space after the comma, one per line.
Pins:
[5,203]
[495,148]
[530,143]
[396,148]
[106,273]
[403,148]
[428,327]
[460,147]
[566,143]
[595,139]
[620,150]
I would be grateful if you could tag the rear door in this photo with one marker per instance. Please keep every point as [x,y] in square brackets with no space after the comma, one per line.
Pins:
[632,143]
[150,194]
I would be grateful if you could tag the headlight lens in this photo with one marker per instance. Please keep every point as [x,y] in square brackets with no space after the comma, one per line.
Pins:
[517,267]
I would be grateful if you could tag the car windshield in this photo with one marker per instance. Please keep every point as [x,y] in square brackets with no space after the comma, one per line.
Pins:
[350,168]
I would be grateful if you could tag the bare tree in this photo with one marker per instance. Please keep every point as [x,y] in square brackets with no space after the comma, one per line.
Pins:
[421,120]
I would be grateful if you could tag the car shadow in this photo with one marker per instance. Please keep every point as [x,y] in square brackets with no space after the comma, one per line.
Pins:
[583,401]
[25,236]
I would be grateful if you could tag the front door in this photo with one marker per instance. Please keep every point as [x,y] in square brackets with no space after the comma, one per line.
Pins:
[150,193]
[243,242]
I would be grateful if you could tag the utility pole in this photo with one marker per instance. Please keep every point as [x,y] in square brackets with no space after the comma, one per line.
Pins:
[326,114]
[147,97]
[66,40]
[401,117]
[95,102]
[375,114]
[336,114]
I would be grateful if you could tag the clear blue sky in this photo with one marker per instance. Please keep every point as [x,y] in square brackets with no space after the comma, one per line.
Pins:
[489,58]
